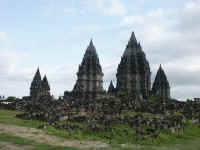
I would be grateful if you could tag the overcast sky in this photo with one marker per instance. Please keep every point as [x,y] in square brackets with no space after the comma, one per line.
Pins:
[54,34]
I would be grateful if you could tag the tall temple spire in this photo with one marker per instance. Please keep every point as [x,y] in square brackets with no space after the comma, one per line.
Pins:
[161,85]
[132,46]
[133,73]
[39,87]
[90,54]
[37,78]
[90,75]
[127,72]
[36,85]
[45,87]
[91,43]
[37,75]
[45,83]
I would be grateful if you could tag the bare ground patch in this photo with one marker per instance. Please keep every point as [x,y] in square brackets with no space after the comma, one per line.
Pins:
[9,146]
[40,136]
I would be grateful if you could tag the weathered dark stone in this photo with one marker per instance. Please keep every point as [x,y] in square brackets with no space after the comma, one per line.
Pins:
[90,75]
[133,73]
[36,85]
[39,87]
[161,86]
[45,87]
[45,109]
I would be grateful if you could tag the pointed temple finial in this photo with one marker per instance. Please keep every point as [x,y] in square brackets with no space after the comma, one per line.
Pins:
[133,38]
[161,68]
[37,74]
[38,69]
[45,77]
[91,46]
[91,42]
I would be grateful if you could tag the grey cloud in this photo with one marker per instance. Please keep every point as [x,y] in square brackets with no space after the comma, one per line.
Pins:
[171,37]
[181,92]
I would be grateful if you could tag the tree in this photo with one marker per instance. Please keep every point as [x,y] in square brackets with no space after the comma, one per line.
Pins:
[11,98]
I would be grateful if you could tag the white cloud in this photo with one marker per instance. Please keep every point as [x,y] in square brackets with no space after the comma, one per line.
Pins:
[168,29]
[61,77]
[111,7]
[13,77]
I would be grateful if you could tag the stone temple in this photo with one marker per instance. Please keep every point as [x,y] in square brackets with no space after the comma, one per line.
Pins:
[89,75]
[133,76]
[133,73]
[161,86]
[39,87]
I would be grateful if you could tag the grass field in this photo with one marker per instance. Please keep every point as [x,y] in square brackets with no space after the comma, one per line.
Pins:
[189,140]
[29,144]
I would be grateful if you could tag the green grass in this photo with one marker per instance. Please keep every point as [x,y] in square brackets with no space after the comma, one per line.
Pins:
[21,142]
[18,141]
[9,117]
[190,136]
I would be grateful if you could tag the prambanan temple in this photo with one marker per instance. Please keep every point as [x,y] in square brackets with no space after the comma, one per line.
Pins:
[39,87]
[90,75]
[133,73]
[133,76]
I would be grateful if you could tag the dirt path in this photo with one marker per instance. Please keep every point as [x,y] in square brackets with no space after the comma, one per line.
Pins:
[8,146]
[41,137]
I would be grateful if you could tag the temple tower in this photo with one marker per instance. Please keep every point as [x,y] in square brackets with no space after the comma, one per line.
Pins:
[144,72]
[45,91]
[161,86]
[36,85]
[133,73]
[90,75]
